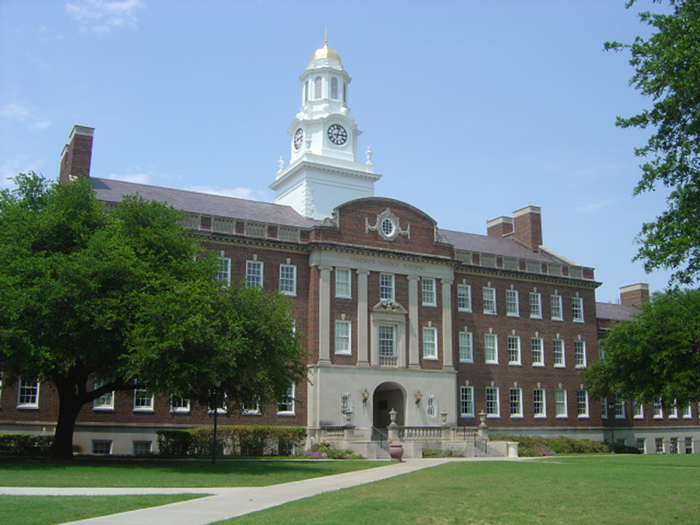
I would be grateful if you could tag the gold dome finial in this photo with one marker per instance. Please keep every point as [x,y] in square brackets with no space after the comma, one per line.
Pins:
[325,51]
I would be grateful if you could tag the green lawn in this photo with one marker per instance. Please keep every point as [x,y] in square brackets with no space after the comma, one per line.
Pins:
[164,473]
[566,490]
[49,510]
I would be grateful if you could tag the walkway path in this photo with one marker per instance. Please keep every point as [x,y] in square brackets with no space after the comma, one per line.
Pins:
[228,503]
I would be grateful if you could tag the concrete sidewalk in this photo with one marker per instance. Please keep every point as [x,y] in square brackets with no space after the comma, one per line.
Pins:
[229,502]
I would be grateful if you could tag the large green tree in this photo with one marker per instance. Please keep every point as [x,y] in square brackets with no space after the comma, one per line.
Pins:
[667,69]
[654,356]
[95,300]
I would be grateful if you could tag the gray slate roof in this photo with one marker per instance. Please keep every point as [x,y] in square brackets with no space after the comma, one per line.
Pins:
[615,312]
[108,190]
[203,203]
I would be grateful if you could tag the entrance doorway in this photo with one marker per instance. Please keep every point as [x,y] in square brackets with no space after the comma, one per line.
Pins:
[387,396]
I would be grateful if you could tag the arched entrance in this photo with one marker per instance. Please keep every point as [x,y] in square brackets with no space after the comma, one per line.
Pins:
[387,396]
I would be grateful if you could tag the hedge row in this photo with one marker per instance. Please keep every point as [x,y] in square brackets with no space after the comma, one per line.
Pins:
[25,444]
[534,446]
[254,440]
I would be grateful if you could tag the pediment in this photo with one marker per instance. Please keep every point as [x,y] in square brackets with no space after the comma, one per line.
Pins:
[389,307]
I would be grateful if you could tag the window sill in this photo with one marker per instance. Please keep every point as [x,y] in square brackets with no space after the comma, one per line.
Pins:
[144,410]
[346,354]
[559,366]
[286,414]
[515,364]
[180,411]
[557,319]
[27,407]
[536,317]
[584,417]
[516,416]
[540,416]
[430,358]
[512,315]
[471,361]
[491,362]
[103,409]
[537,365]
[489,416]
[464,310]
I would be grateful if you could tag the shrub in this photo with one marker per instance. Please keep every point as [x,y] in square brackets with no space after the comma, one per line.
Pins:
[333,453]
[535,446]
[25,444]
[175,442]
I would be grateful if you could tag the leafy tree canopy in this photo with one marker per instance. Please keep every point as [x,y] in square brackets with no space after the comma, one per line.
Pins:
[126,296]
[656,355]
[667,69]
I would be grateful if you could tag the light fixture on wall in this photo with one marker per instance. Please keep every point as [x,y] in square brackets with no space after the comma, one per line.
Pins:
[365,396]
[419,396]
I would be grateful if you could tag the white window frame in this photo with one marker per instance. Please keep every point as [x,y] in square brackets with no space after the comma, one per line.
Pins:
[288,283]
[658,410]
[466,347]
[580,353]
[493,402]
[673,411]
[286,405]
[254,271]
[637,410]
[489,295]
[179,405]
[512,303]
[561,409]
[582,401]
[687,412]
[556,308]
[561,353]
[385,343]
[430,346]
[542,413]
[343,283]
[141,448]
[429,291]
[535,305]
[251,407]
[491,349]
[105,401]
[577,309]
[143,400]
[537,351]
[343,337]
[604,408]
[464,298]
[514,350]
[99,443]
[224,274]
[431,407]
[28,393]
[387,287]
[466,401]
[516,403]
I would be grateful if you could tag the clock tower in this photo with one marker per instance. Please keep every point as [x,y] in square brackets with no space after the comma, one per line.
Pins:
[323,170]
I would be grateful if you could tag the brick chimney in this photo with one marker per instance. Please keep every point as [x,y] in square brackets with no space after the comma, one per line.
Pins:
[499,227]
[76,155]
[527,226]
[634,294]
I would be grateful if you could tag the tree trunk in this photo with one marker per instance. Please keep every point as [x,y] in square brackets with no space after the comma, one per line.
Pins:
[68,409]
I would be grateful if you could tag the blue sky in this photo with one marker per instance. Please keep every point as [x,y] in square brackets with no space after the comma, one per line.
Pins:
[473,109]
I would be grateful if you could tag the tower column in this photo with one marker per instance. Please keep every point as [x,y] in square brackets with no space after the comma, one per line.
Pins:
[362,319]
[447,358]
[324,315]
[413,341]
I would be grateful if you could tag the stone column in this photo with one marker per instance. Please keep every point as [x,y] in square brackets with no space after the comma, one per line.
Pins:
[324,315]
[413,340]
[362,319]
[447,358]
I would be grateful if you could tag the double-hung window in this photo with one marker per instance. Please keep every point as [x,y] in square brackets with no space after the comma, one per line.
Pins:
[513,350]
[179,404]
[28,393]
[224,274]
[491,348]
[430,343]
[286,404]
[580,354]
[516,402]
[429,293]
[253,274]
[493,407]
[535,305]
[387,345]
[466,401]
[558,353]
[343,337]
[489,300]
[512,308]
[386,287]
[105,401]
[343,283]
[466,348]
[582,403]
[637,409]
[464,298]
[556,308]
[537,348]
[539,405]
[658,410]
[577,309]
[560,408]
[288,279]
[619,407]
[143,400]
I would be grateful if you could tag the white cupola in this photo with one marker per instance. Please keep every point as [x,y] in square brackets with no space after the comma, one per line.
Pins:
[323,171]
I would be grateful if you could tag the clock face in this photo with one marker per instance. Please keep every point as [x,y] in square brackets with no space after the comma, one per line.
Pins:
[337,134]
[298,138]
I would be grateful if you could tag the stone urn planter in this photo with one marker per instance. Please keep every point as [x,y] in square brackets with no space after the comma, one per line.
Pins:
[396,452]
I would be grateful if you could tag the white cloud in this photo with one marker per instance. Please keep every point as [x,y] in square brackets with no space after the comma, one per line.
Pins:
[39,125]
[239,193]
[20,113]
[592,207]
[102,16]
[15,166]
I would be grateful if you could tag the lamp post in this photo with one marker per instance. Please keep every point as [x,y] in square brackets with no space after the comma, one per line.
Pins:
[217,384]
[611,416]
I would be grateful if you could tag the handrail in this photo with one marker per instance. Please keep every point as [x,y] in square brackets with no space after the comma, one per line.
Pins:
[382,436]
